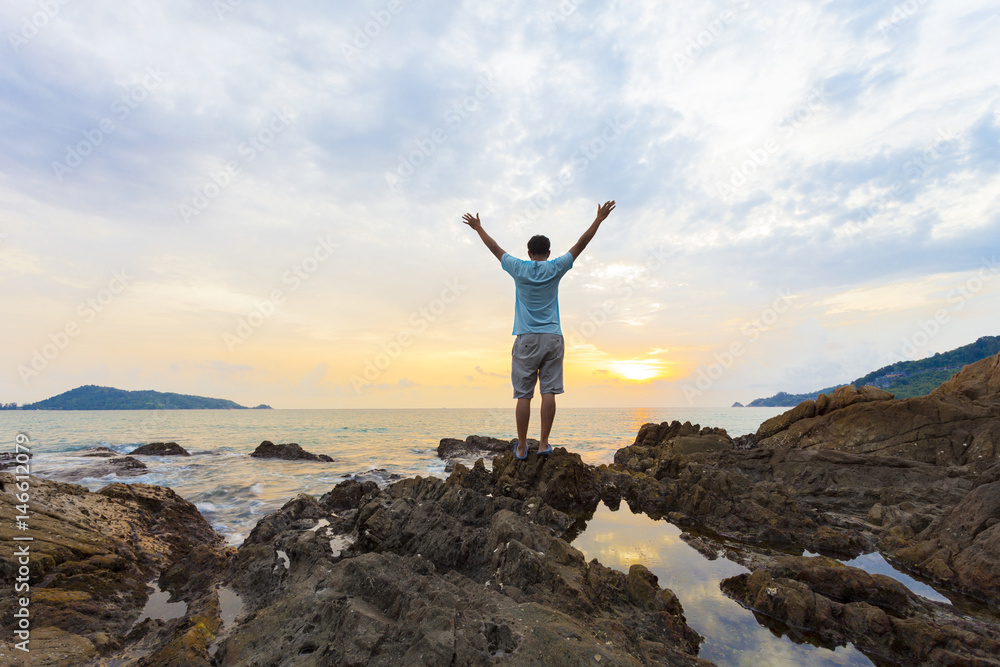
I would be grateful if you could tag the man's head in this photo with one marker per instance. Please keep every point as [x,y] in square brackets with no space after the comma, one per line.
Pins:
[538,248]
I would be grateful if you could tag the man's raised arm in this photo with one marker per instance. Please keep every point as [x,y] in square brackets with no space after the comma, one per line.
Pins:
[603,211]
[478,226]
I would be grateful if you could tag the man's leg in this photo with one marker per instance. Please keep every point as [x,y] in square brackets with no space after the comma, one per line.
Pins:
[548,416]
[522,413]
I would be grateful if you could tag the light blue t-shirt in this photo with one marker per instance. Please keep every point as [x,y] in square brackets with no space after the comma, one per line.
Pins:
[536,300]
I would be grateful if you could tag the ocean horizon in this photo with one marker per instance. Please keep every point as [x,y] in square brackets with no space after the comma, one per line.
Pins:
[234,490]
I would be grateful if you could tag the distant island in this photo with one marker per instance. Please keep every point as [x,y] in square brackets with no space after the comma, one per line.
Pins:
[92,397]
[905,379]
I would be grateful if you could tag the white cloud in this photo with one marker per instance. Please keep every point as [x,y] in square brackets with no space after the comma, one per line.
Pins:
[824,113]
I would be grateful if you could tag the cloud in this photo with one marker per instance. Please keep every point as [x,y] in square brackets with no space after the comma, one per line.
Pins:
[831,150]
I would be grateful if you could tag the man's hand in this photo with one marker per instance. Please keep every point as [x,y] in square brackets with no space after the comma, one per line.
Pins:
[474,222]
[604,210]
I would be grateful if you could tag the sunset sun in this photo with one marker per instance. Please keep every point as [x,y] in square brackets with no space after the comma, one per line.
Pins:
[636,370]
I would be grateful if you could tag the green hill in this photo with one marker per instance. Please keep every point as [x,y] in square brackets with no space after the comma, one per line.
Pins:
[92,397]
[904,379]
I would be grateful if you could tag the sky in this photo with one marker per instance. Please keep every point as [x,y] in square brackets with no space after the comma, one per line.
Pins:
[263,201]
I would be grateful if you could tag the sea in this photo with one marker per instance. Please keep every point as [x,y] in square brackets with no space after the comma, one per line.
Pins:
[234,491]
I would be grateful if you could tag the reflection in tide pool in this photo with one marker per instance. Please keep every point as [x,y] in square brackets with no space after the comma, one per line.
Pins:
[732,635]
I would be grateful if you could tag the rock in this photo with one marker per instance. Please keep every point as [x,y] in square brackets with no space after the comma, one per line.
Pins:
[118,466]
[956,424]
[938,521]
[880,616]
[467,451]
[287,451]
[127,463]
[347,494]
[92,556]
[560,480]
[677,438]
[478,566]
[446,572]
[98,452]
[737,404]
[693,444]
[9,460]
[778,423]
[160,449]
[961,548]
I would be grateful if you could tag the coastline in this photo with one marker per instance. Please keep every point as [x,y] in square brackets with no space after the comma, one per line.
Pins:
[501,534]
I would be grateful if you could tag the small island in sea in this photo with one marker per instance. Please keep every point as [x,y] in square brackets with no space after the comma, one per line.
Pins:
[92,397]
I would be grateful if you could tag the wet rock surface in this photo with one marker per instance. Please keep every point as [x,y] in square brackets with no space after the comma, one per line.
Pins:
[98,452]
[91,558]
[938,522]
[9,460]
[820,599]
[107,466]
[160,449]
[461,571]
[290,451]
[956,424]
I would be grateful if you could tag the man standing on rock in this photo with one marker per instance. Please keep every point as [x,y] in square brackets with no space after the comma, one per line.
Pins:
[538,348]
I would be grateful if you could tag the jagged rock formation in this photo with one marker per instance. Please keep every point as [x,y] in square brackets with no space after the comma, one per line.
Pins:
[683,438]
[823,599]
[448,572]
[92,556]
[956,424]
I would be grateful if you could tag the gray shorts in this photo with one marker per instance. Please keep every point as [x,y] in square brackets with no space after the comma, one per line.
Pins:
[537,356]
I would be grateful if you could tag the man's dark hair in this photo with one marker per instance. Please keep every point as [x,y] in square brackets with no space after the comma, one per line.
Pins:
[538,245]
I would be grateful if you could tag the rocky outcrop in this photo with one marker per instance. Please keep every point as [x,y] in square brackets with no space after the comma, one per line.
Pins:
[823,405]
[160,449]
[287,451]
[956,424]
[942,523]
[462,571]
[453,450]
[475,445]
[960,548]
[684,438]
[91,558]
[838,604]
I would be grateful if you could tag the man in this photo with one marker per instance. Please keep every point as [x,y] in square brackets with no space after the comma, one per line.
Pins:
[538,348]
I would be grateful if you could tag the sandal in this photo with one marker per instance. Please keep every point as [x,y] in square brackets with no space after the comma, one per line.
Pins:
[544,452]
[521,458]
